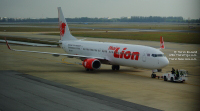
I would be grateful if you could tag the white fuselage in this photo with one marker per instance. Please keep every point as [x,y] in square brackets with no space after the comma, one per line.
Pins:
[118,54]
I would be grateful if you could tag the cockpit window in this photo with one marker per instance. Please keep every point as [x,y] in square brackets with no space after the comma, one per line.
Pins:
[157,55]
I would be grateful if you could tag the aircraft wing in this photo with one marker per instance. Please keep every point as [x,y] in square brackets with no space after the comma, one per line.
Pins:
[82,57]
[29,44]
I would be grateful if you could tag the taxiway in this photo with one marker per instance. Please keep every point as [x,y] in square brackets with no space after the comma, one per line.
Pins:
[128,84]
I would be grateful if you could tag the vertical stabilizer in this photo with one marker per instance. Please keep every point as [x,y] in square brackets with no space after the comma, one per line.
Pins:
[162,46]
[64,29]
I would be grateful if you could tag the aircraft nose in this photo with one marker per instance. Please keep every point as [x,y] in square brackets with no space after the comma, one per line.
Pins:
[164,62]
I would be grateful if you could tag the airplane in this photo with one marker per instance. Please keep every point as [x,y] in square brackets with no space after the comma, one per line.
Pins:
[93,53]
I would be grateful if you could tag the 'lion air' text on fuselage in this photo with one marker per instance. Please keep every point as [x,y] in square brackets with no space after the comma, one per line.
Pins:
[124,54]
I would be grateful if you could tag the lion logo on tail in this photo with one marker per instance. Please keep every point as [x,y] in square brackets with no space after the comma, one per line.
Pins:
[62,28]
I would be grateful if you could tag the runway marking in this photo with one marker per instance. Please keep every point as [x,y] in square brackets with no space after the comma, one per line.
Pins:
[63,61]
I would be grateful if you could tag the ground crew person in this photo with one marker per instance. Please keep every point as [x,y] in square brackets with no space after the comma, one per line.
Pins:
[177,73]
[173,70]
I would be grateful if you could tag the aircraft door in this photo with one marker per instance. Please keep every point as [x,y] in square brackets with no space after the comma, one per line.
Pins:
[144,56]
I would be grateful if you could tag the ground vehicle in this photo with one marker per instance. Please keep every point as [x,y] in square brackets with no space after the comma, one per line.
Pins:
[179,76]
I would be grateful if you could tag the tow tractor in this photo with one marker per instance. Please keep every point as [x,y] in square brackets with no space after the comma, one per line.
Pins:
[178,76]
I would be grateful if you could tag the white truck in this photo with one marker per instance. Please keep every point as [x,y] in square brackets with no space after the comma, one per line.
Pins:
[178,76]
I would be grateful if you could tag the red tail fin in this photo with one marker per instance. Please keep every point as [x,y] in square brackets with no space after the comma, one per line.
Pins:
[161,43]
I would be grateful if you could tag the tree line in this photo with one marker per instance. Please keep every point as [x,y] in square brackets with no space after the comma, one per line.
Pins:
[122,19]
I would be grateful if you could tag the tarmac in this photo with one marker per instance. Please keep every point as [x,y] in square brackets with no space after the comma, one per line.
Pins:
[22,92]
[129,84]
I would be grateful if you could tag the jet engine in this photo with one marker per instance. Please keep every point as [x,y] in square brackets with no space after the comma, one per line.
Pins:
[91,63]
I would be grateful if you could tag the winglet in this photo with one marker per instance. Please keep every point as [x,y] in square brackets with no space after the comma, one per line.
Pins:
[7,44]
[161,43]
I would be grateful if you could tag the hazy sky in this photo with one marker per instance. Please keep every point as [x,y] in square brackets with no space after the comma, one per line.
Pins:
[99,8]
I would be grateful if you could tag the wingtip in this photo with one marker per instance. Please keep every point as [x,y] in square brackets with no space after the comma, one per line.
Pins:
[7,44]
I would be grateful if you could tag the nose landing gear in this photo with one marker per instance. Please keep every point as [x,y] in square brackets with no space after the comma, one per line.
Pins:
[153,75]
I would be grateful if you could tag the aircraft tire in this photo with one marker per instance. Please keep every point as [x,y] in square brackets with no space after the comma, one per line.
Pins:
[153,75]
[115,67]
[165,78]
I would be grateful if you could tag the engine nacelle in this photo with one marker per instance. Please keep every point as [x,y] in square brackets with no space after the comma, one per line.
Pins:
[92,63]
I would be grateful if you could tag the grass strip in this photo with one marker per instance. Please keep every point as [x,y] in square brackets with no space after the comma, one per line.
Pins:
[40,29]
[178,37]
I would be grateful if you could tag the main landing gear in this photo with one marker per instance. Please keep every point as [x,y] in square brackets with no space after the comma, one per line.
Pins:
[88,69]
[115,67]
